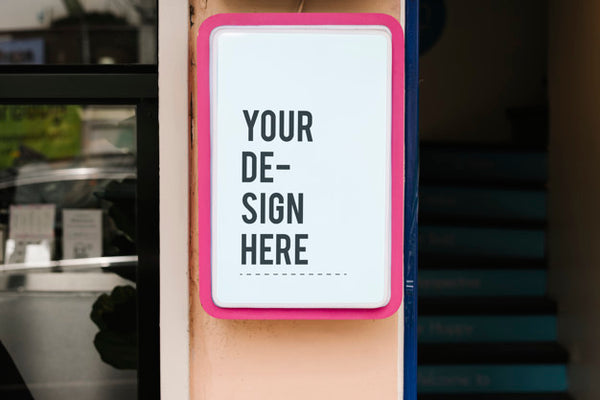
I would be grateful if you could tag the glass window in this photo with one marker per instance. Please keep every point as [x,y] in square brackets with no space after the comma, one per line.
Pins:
[78,32]
[68,295]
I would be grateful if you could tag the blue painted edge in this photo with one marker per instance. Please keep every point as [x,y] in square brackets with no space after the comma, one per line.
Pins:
[411,206]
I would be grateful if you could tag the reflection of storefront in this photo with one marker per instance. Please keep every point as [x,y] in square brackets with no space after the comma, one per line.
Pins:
[78,268]
[79,32]
[68,187]
[67,158]
[22,51]
[74,44]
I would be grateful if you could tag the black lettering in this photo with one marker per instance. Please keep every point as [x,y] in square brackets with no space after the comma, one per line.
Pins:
[276,210]
[295,209]
[251,249]
[300,249]
[264,249]
[263,203]
[304,127]
[282,134]
[248,176]
[251,121]
[263,127]
[264,166]
[282,248]
[246,202]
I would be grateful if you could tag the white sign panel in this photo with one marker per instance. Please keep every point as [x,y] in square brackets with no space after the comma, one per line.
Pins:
[300,166]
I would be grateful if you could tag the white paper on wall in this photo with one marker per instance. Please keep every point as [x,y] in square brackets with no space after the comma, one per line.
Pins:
[82,233]
[31,233]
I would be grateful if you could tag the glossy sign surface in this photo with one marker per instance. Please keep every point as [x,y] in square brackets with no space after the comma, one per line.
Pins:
[300,165]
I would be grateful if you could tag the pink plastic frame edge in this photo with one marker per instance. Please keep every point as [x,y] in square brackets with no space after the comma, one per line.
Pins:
[397,152]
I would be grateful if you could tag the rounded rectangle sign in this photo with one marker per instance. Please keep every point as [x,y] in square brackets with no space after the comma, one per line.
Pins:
[300,165]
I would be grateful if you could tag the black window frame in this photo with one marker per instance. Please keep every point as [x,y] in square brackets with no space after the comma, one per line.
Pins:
[135,85]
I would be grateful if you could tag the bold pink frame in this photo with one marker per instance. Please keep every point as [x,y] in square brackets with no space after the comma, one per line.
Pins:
[397,160]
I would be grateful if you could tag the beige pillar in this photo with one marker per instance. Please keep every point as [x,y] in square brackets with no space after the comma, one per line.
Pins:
[284,359]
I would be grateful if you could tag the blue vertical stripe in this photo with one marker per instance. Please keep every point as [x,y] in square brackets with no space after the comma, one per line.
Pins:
[411,197]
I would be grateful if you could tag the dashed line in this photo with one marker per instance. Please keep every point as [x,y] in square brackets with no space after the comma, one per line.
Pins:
[294,274]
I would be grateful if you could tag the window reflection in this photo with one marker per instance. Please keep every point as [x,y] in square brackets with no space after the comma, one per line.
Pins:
[68,251]
[78,32]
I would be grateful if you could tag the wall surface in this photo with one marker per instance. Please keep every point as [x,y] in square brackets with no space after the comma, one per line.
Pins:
[174,148]
[289,360]
[574,88]
[491,56]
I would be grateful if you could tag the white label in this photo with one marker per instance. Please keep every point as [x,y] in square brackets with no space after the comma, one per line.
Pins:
[300,167]
[31,233]
[82,233]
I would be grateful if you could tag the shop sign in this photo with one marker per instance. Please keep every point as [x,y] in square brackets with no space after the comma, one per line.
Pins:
[300,165]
